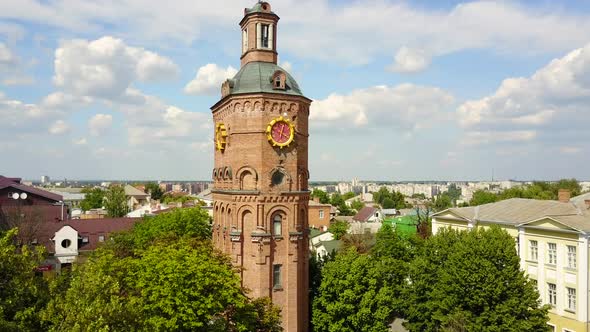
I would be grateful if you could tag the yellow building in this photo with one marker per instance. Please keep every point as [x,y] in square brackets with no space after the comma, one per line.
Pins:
[552,242]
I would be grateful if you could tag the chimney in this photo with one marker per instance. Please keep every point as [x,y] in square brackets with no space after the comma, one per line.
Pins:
[563,195]
[316,199]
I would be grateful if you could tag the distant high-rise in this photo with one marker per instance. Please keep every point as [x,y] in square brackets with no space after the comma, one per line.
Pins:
[45,179]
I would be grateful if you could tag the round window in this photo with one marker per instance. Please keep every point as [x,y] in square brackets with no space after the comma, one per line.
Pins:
[66,243]
[277,178]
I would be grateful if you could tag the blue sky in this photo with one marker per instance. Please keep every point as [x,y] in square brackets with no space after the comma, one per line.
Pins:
[420,90]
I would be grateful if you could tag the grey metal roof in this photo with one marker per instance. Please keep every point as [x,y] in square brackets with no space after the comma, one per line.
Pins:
[518,211]
[255,77]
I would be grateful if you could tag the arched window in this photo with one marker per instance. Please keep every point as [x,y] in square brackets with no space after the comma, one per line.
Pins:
[277,227]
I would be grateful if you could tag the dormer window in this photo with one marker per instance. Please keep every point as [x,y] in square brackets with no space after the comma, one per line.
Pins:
[278,80]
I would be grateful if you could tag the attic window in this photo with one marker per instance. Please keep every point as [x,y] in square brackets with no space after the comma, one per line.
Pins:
[278,80]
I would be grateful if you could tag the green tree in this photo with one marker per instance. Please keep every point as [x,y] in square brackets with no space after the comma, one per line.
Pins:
[22,293]
[454,193]
[115,202]
[338,228]
[154,190]
[322,195]
[357,205]
[164,275]
[348,195]
[388,203]
[442,202]
[93,198]
[483,197]
[358,293]
[338,201]
[472,280]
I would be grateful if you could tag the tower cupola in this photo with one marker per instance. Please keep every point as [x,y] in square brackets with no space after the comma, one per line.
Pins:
[259,34]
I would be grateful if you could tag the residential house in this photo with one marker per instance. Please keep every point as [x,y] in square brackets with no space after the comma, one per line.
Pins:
[367,220]
[135,197]
[551,239]
[28,208]
[323,243]
[67,241]
[320,215]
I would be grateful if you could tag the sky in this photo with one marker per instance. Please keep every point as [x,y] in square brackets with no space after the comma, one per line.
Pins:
[401,90]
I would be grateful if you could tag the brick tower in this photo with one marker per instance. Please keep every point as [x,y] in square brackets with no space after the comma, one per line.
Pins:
[260,177]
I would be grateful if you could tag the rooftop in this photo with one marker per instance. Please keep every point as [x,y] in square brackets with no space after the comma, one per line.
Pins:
[256,77]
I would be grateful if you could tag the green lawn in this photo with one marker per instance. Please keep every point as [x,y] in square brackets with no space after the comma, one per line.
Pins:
[405,225]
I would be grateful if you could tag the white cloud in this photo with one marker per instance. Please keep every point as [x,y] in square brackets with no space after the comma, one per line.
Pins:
[18,117]
[551,103]
[409,60]
[286,65]
[330,29]
[106,67]
[404,107]
[208,79]
[59,127]
[570,150]
[80,141]
[100,123]
[6,55]
[18,80]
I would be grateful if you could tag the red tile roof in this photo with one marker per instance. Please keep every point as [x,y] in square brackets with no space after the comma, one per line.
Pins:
[365,213]
[91,228]
[15,183]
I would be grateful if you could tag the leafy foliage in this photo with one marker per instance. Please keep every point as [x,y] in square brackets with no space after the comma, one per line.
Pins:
[164,275]
[471,281]
[358,293]
[357,205]
[442,202]
[115,202]
[339,201]
[22,292]
[536,190]
[389,200]
[93,198]
[322,195]
[338,228]
[154,190]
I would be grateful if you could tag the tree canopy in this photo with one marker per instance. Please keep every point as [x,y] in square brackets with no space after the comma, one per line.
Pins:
[389,200]
[535,190]
[93,198]
[322,195]
[115,202]
[471,281]
[338,228]
[154,190]
[164,275]
[22,292]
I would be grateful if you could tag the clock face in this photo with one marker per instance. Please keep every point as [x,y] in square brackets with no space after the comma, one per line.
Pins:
[280,132]
[220,137]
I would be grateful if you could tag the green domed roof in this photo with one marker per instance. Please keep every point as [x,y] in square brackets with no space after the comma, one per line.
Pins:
[257,8]
[255,77]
